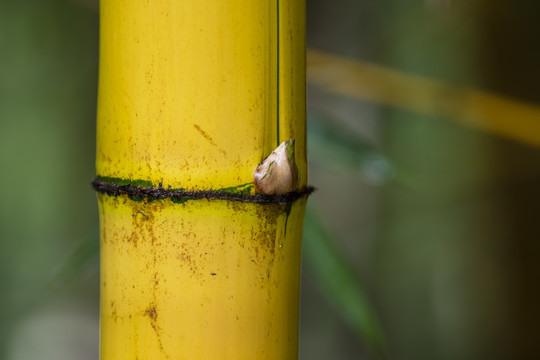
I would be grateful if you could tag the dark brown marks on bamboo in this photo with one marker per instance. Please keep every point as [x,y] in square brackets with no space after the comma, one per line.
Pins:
[152,314]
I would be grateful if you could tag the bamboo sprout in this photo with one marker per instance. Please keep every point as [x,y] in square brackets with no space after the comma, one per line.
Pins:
[192,97]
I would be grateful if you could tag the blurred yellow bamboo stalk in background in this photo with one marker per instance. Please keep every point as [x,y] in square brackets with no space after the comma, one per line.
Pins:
[370,82]
[194,95]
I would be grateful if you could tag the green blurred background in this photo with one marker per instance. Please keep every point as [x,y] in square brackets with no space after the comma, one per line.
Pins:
[422,241]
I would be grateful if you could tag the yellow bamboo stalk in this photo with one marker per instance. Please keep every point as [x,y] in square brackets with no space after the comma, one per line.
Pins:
[193,95]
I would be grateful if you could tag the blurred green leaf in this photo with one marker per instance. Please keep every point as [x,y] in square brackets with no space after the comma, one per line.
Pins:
[338,283]
[84,257]
[336,147]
